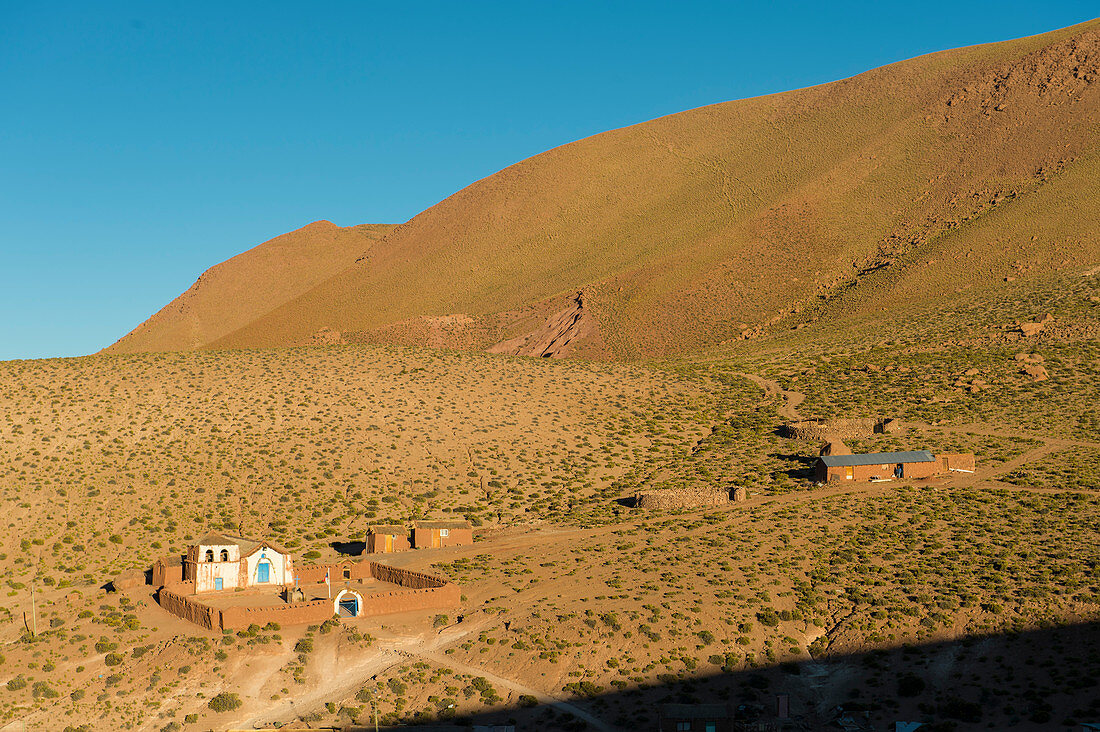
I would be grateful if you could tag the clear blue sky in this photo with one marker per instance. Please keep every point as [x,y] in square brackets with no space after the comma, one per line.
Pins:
[142,142]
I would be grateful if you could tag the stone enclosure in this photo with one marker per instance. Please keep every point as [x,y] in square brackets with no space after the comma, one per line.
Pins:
[843,429]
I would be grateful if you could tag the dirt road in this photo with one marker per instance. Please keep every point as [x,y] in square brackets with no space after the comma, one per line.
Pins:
[791,399]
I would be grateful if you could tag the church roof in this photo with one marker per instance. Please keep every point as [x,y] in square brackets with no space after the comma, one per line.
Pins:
[248,546]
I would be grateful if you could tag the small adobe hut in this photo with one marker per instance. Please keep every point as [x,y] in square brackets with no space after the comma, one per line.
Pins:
[220,562]
[387,538]
[834,446]
[692,717]
[168,571]
[438,534]
[957,463]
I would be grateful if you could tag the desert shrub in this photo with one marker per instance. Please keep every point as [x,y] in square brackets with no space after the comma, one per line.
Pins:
[962,710]
[113,659]
[42,690]
[768,617]
[910,685]
[526,700]
[17,683]
[224,702]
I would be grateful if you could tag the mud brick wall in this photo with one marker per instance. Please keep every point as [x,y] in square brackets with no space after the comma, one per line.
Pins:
[299,613]
[189,609]
[405,577]
[957,461]
[316,572]
[400,601]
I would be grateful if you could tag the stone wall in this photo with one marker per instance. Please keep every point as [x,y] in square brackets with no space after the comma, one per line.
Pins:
[671,498]
[844,429]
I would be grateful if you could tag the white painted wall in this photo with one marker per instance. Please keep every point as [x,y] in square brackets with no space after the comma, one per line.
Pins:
[280,568]
[206,572]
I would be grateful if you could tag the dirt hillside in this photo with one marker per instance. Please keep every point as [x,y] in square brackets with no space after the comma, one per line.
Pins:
[236,292]
[695,230]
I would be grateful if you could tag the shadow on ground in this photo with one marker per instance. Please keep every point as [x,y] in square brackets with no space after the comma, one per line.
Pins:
[349,548]
[1044,679]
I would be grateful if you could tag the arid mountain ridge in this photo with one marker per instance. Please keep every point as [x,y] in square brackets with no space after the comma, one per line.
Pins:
[959,170]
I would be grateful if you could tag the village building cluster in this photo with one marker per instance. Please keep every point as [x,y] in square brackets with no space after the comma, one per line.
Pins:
[226,582]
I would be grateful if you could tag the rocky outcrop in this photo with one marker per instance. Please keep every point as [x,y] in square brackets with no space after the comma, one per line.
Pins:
[555,339]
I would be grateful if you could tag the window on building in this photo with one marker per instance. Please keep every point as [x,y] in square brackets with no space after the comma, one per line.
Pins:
[210,555]
[225,555]
[347,573]
[712,727]
[683,727]
[444,532]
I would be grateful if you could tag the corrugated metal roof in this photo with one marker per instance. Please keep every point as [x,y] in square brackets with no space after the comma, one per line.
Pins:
[695,711]
[878,458]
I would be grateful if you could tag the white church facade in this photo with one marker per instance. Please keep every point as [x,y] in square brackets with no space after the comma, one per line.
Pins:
[219,562]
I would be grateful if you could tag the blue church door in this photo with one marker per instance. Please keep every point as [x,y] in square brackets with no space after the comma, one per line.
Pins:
[263,572]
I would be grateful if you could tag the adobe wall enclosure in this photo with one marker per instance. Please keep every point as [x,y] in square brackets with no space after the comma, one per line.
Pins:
[852,428]
[418,591]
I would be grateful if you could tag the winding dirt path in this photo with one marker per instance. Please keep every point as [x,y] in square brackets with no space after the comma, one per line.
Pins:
[791,399]
[543,698]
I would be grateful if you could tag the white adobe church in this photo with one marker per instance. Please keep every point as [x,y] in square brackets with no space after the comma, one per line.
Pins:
[219,562]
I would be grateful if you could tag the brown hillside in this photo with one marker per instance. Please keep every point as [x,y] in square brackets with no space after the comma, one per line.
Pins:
[236,292]
[691,230]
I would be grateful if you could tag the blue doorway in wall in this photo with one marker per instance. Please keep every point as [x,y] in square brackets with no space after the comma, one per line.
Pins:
[263,572]
[218,583]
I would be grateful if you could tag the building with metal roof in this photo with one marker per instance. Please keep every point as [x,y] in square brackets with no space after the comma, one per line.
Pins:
[877,466]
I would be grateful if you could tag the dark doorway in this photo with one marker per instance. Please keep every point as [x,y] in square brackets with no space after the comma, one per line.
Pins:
[349,607]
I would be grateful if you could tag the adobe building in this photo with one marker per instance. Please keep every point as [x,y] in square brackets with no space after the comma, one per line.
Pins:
[218,562]
[957,463]
[889,466]
[438,534]
[168,571]
[384,539]
[695,718]
[269,588]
